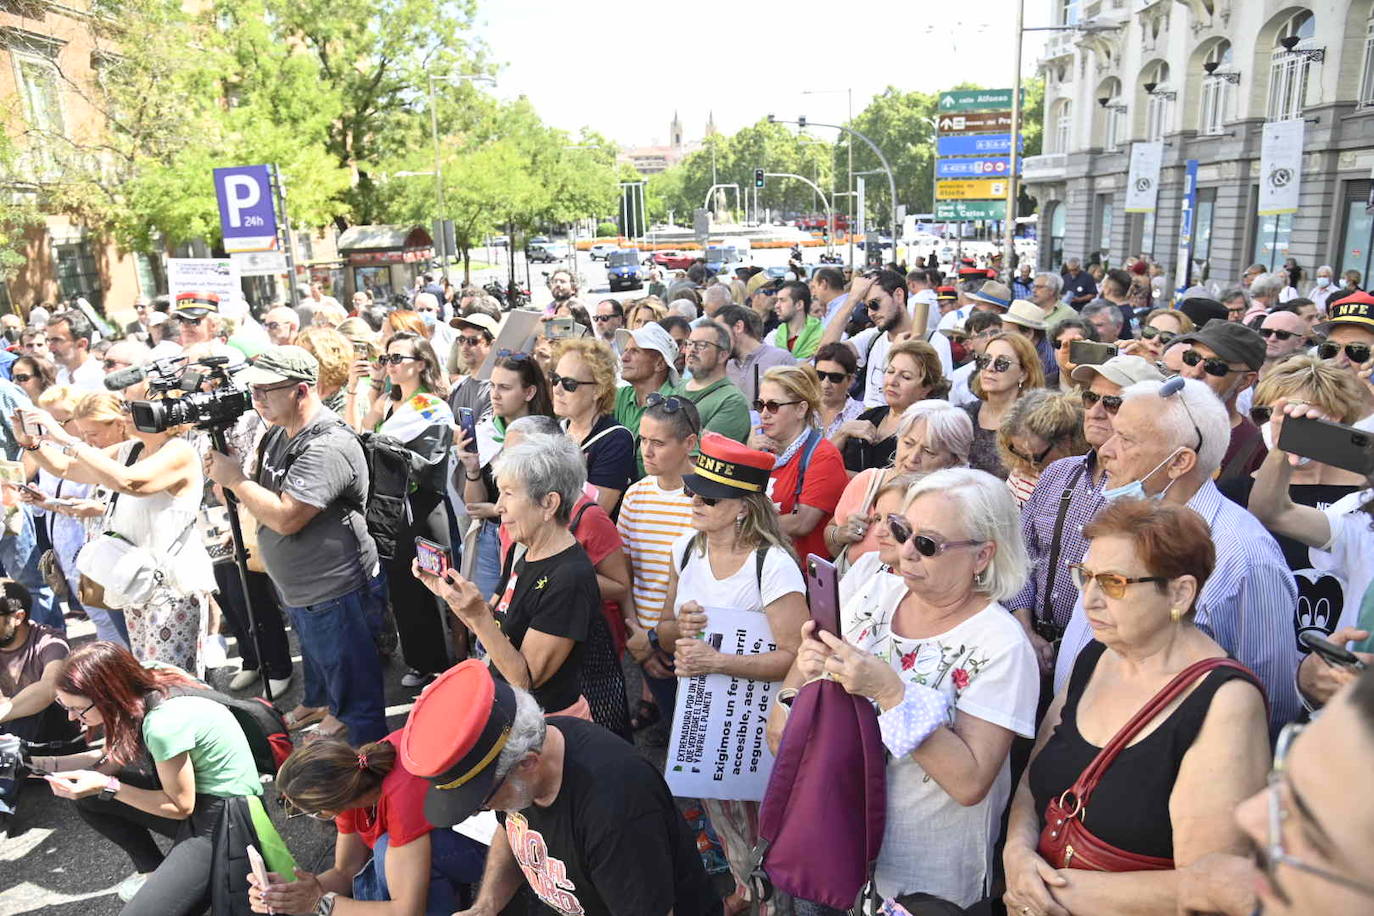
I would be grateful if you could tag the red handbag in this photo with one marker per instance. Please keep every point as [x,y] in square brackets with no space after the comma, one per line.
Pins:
[1065,841]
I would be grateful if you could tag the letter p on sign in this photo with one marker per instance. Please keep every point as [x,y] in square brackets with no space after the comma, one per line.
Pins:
[247,217]
[241,193]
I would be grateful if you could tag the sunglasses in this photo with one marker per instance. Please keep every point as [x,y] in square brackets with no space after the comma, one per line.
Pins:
[836,378]
[292,810]
[188,319]
[1113,585]
[1212,365]
[1277,334]
[567,382]
[873,304]
[466,341]
[514,356]
[772,406]
[21,377]
[1030,459]
[273,325]
[395,359]
[709,501]
[1063,342]
[602,319]
[671,404]
[1358,353]
[926,546]
[1110,402]
[1261,415]
[999,365]
[1163,335]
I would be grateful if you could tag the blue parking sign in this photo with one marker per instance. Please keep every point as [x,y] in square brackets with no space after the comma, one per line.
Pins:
[247,216]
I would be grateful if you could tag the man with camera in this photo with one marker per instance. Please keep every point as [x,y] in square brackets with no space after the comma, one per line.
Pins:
[308,495]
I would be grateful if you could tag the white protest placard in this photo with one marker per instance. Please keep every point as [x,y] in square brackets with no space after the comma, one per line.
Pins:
[1280,178]
[718,748]
[207,275]
[1142,185]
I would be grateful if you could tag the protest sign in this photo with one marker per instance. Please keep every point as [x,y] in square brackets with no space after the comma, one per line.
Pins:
[207,275]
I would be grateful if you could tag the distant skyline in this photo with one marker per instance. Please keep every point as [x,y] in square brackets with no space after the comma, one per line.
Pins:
[596,65]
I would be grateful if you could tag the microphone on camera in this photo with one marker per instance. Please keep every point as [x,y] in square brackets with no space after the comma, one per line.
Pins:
[123,378]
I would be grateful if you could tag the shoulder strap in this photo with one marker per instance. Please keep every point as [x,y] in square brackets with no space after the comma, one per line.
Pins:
[760,556]
[813,439]
[1046,608]
[1241,459]
[608,430]
[1087,781]
[577,518]
[128,462]
[875,483]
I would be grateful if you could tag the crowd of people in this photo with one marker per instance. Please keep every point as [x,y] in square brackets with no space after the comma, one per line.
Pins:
[1075,565]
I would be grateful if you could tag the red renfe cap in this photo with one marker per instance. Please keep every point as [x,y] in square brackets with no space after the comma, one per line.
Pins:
[727,470]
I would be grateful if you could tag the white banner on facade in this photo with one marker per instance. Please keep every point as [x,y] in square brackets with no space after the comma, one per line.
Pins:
[718,748]
[1142,185]
[1280,178]
[209,275]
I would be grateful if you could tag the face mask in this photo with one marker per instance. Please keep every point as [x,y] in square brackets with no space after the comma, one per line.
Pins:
[1267,434]
[429,318]
[1136,488]
[1323,282]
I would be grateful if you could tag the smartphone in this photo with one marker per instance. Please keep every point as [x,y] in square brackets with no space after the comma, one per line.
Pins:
[1330,443]
[360,348]
[823,593]
[561,328]
[435,559]
[468,421]
[30,423]
[1090,353]
[1329,651]
[31,492]
[258,867]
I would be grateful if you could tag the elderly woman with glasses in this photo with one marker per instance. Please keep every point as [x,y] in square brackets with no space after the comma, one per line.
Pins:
[954,679]
[1043,427]
[808,472]
[1008,368]
[1102,831]
[1157,331]
[384,849]
[913,374]
[583,384]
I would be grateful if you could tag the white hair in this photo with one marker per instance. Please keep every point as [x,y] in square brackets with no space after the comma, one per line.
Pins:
[948,428]
[1268,286]
[1102,306]
[988,513]
[1052,280]
[544,464]
[1328,268]
[1179,419]
[718,294]
[429,299]
[528,730]
[684,308]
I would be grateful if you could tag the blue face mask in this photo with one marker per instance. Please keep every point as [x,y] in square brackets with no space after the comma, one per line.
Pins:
[429,318]
[1136,488]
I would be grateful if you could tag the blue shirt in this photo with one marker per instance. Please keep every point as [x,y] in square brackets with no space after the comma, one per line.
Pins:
[12,397]
[1246,605]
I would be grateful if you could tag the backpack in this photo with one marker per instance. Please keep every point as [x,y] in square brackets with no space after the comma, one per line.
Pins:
[829,779]
[813,439]
[760,555]
[263,725]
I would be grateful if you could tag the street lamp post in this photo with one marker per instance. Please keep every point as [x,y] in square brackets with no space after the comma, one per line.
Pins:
[829,213]
[849,142]
[438,161]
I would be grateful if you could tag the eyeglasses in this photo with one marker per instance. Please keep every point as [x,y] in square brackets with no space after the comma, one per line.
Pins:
[466,341]
[1212,365]
[602,319]
[109,364]
[1274,853]
[709,501]
[186,319]
[259,394]
[80,715]
[671,404]
[273,325]
[1063,342]
[1277,334]
[21,377]
[567,382]
[514,356]
[835,378]
[700,345]
[1150,333]
[999,365]
[1030,459]
[1113,585]
[1172,387]
[1261,415]
[293,810]
[1358,352]
[1110,402]
[772,406]
[395,359]
[926,546]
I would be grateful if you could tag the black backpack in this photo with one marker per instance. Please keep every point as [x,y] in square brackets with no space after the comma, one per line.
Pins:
[265,728]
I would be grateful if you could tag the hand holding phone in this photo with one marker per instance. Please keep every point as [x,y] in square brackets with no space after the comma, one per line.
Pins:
[1324,441]
[1090,353]
[433,558]
[1332,654]
[258,868]
[467,420]
[823,593]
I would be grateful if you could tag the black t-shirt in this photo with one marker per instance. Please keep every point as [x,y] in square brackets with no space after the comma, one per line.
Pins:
[613,843]
[860,455]
[610,454]
[558,596]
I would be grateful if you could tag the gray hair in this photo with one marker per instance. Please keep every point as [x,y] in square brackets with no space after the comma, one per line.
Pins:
[546,464]
[528,730]
[718,295]
[685,308]
[1268,286]
[1052,280]
[1330,271]
[1102,306]
[1234,293]
[1174,417]
[988,513]
[429,298]
[535,424]
[948,428]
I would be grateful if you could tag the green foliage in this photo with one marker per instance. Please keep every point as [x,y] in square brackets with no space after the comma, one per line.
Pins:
[607,229]
[16,212]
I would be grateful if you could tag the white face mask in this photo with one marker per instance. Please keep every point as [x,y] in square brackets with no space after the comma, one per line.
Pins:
[1136,488]
[1323,282]
[1267,434]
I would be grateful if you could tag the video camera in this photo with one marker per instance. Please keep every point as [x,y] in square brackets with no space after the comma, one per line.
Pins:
[216,409]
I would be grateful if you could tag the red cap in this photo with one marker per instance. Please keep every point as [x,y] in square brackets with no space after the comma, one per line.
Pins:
[728,470]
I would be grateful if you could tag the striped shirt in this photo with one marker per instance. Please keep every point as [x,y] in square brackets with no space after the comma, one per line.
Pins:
[651,518]
[1246,605]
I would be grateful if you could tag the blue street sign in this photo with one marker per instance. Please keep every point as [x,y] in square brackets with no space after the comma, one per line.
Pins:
[986,167]
[977,145]
[247,216]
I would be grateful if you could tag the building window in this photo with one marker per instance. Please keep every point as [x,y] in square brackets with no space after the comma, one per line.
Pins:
[1063,125]
[1218,95]
[1289,71]
[76,272]
[1067,12]
[1059,218]
[1116,127]
[1273,232]
[1104,225]
[1357,228]
[1159,108]
[1367,72]
[39,88]
[1202,223]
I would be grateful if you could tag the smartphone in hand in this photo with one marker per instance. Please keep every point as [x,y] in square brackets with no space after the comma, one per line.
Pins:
[434,558]
[1331,653]
[467,420]
[823,593]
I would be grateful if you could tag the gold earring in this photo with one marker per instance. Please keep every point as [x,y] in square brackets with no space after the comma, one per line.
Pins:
[1176,614]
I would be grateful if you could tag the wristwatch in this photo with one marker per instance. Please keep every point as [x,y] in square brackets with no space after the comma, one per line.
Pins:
[326,904]
[111,789]
[653,639]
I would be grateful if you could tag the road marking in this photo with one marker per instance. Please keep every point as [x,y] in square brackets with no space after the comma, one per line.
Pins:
[12,849]
[30,898]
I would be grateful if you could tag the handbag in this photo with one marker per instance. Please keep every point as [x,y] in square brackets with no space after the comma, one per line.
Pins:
[1065,841]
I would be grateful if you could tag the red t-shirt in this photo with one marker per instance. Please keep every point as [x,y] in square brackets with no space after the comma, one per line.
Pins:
[822,486]
[400,811]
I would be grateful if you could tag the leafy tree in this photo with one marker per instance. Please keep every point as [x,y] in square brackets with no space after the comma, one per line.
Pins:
[16,212]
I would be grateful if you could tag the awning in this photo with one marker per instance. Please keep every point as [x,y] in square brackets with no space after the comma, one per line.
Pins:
[374,245]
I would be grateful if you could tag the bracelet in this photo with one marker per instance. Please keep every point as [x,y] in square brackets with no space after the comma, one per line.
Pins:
[786,696]
[471,478]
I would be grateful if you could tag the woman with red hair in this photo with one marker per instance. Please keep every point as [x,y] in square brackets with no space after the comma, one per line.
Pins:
[174,763]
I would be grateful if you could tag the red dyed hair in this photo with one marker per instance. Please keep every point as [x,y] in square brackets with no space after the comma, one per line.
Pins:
[406,320]
[110,677]
[1172,541]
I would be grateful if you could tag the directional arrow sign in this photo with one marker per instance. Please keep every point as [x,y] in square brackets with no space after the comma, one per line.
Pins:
[977,100]
[988,167]
[979,189]
[971,209]
[983,122]
[977,145]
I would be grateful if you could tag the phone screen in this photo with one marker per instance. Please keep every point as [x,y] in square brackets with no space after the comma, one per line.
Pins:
[433,558]
[467,419]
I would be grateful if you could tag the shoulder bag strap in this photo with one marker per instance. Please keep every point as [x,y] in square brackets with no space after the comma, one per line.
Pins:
[813,439]
[577,517]
[128,462]
[608,430]
[760,556]
[875,483]
[1092,774]
[1046,608]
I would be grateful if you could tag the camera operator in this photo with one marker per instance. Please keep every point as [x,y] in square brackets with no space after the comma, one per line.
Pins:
[307,495]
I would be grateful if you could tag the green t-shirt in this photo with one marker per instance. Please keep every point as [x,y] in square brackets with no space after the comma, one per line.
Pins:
[219,752]
[723,409]
[628,413]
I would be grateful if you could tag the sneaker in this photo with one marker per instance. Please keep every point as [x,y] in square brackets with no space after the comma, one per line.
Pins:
[279,685]
[131,885]
[244,679]
[413,678]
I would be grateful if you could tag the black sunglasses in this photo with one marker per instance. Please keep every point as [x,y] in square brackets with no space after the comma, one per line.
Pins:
[1358,352]
[466,341]
[1149,333]
[1277,334]
[772,406]
[1110,402]
[395,359]
[1000,364]
[1212,365]
[873,304]
[671,404]
[1030,459]
[1261,415]
[834,377]
[708,501]
[602,319]
[567,382]
[926,546]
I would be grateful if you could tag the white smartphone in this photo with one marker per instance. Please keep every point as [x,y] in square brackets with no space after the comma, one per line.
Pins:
[258,866]
[31,425]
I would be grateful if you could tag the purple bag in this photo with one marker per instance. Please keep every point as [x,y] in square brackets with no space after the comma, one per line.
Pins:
[828,794]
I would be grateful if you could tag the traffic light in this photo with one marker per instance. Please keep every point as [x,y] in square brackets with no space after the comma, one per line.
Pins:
[758,178]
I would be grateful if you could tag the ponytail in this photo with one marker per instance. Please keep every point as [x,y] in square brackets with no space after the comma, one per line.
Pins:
[329,775]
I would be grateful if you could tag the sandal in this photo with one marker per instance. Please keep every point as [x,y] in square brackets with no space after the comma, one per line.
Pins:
[329,727]
[646,715]
[302,716]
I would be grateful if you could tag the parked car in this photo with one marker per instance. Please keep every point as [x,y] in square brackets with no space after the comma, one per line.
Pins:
[546,250]
[599,251]
[623,270]
[498,241]
[673,260]
[721,258]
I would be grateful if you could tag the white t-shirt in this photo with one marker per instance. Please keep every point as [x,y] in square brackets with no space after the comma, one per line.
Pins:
[696,582]
[89,376]
[869,578]
[986,668]
[1350,553]
[960,394]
